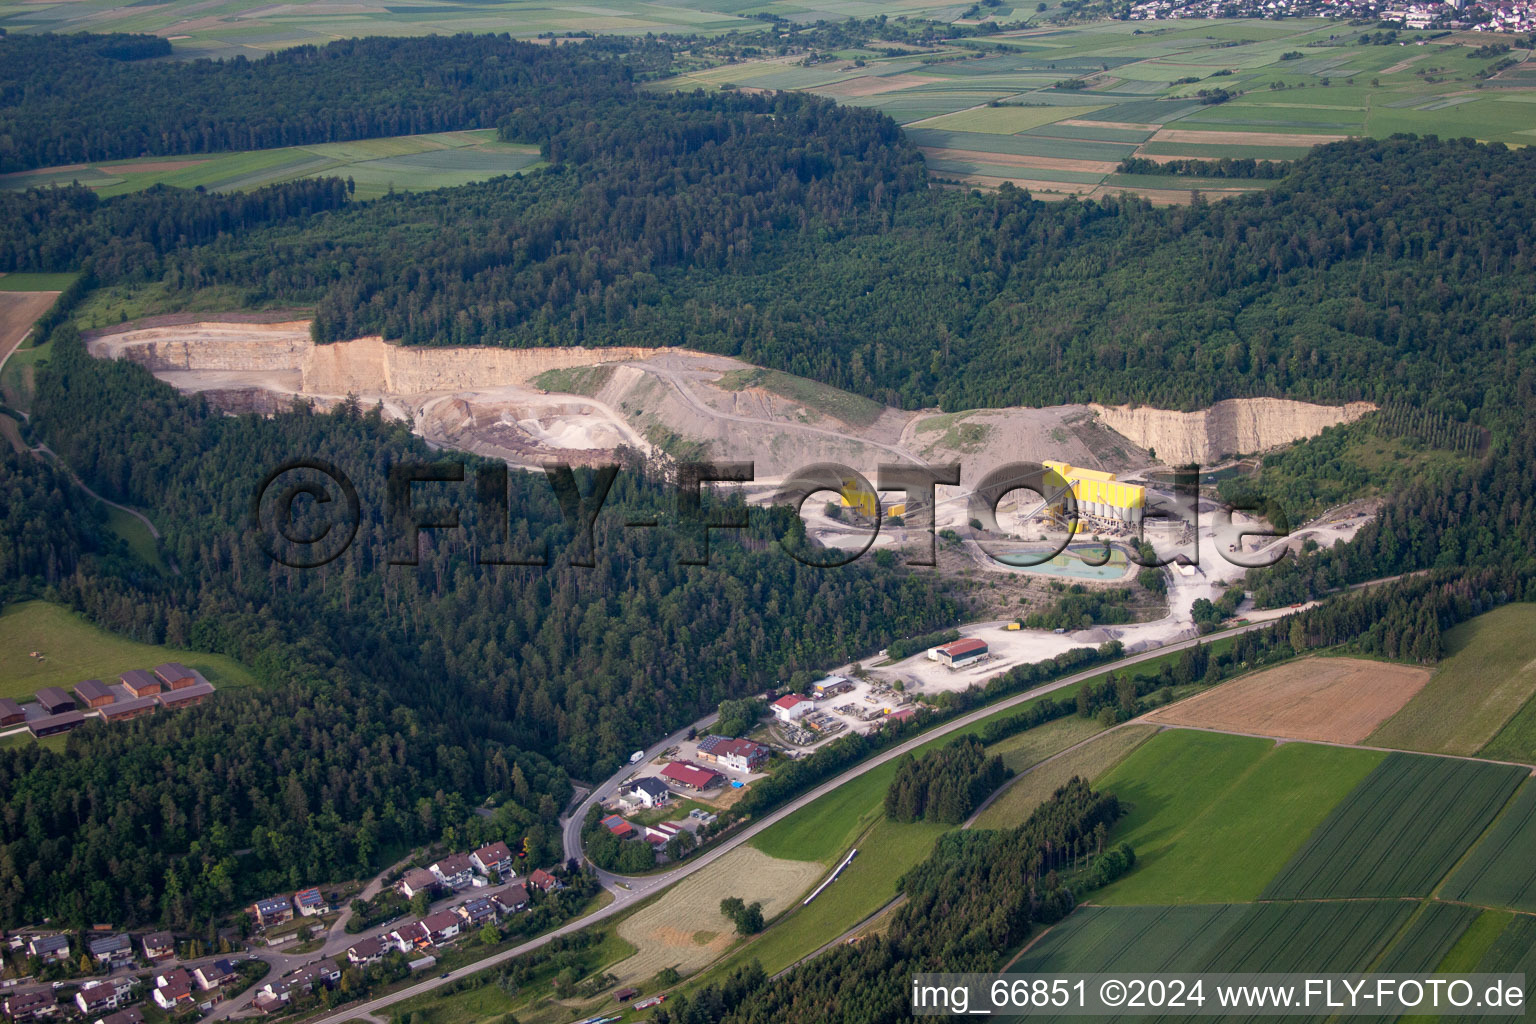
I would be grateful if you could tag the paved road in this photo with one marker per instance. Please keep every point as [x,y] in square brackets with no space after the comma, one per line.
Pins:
[650,885]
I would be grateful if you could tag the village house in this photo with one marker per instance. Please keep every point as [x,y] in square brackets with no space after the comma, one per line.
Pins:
[111,949]
[511,899]
[496,857]
[272,910]
[274,994]
[417,880]
[456,871]
[158,946]
[647,793]
[50,949]
[211,976]
[11,712]
[31,1006]
[441,927]
[368,951]
[475,912]
[310,902]
[127,1015]
[101,995]
[173,988]
[545,881]
[736,754]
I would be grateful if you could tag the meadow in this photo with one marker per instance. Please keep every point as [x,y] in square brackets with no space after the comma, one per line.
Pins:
[376,166]
[1474,701]
[1399,831]
[73,649]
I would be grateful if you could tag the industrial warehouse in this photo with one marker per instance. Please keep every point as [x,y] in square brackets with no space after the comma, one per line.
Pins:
[1100,498]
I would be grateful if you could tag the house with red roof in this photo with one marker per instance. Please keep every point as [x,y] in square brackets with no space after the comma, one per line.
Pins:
[790,707]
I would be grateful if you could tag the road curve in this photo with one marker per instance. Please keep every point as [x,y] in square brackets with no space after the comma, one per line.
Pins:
[649,885]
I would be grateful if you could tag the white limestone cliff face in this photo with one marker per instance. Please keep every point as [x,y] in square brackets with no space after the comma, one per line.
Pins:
[1237,426]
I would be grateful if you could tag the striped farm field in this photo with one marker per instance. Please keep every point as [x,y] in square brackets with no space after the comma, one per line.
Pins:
[1213,817]
[1400,830]
[1336,936]
[1005,120]
[1147,939]
[1501,870]
[1430,937]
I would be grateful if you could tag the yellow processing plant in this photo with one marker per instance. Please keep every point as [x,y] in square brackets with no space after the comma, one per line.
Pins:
[1099,495]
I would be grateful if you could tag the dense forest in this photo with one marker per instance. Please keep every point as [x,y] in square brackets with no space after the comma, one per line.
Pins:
[394,698]
[783,229]
[944,785]
[78,97]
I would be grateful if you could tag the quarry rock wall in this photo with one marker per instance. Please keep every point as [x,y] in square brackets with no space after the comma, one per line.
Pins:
[1236,426]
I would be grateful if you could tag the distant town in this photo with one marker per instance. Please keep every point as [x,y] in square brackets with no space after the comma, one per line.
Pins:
[1485,16]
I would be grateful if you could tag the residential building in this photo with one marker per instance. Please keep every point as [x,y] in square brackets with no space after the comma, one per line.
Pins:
[647,792]
[10,712]
[54,700]
[173,988]
[961,652]
[49,725]
[441,927]
[496,857]
[309,902]
[140,683]
[368,951]
[173,675]
[128,1015]
[50,949]
[158,945]
[691,776]
[101,995]
[544,881]
[111,949]
[417,880]
[185,696]
[274,994]
[133,707]
[211,976]
[93,693]
[31,1006]
[477,911]
[272,910]
[663,832]
[456,871]
[790,707]
[736,754]
[511,899]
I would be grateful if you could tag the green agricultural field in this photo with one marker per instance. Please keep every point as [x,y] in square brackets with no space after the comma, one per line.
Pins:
[1213,817]
[1032,746]
[73,650]
[825,828]
[1257,937]
[36,282]
[1501,869]
[1142,939]
[403,163]
[1006,120]
[1429,938]
[1345,935]
[1399,831]
[1486,678]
